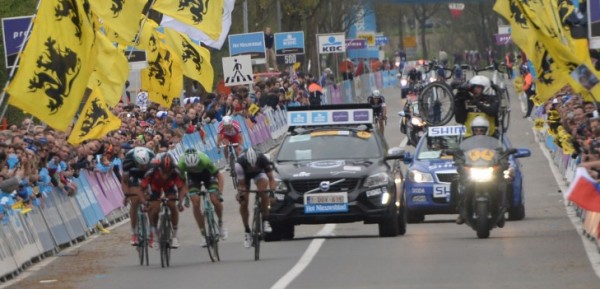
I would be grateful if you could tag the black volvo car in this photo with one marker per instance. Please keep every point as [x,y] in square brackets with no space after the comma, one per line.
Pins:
[333,167]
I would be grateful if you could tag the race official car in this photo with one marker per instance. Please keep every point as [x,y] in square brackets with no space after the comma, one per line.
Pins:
[431,171]
[333,167]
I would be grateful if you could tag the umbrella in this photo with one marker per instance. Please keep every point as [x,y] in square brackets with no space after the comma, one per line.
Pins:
[315,87]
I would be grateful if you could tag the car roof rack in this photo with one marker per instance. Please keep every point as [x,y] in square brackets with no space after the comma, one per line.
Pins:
[345,116]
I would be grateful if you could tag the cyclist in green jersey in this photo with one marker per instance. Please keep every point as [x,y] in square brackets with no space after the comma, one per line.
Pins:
[201,170]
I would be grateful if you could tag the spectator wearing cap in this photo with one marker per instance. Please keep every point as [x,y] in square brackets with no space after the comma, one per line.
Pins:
[347,69]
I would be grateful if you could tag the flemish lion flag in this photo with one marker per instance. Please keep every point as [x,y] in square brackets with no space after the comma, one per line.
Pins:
[149,39]
[195,59]
[121,16]
[56,63]
[111,71]
[95,120]
[205,15]
[163,78]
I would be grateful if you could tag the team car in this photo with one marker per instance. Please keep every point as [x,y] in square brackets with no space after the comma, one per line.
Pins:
[431,172]
[333,167]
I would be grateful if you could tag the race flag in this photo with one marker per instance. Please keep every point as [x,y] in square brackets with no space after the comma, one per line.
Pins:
[195,59]
[95,120]
[199,35]
[149,38]
[121,16]
[111,71]
[56,63]
[163,78]
[584,191]
[203,15]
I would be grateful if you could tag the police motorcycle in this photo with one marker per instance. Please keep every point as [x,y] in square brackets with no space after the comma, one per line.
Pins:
[484,174]
[411,122]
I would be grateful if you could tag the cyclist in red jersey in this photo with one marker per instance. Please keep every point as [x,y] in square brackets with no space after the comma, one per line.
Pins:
[164,177]
[230,131]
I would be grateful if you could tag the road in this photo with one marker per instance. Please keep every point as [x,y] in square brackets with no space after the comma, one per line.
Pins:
[542,251]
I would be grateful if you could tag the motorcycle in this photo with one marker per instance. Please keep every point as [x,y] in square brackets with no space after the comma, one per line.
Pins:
[411,123]
[482,184]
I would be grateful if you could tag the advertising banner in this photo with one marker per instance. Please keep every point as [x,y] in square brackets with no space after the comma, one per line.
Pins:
[252,44]
[289,43]
[14,30]
[331,43]
[594,23]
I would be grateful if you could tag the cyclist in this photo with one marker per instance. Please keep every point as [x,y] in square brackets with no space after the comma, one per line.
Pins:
[477,98]
[164,177]
[253,165]
[230,131]
[377,102]
[199,169]
[135,164]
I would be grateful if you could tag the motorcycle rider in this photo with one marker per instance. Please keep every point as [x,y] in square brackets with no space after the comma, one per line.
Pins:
[377,102]
[477,98]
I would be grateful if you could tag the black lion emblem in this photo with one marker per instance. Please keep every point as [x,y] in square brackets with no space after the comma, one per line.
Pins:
[197,8]
[68,9]
[189,53]
[94,117]
[117,7]
[60,68]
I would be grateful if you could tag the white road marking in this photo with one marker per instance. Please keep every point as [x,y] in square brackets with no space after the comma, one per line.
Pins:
[404,142]
[590,249]
[306,258]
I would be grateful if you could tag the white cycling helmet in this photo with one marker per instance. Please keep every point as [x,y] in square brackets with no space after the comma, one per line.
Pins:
[141,155]
[483,81]
[251,156]
[480,122]
[227,120]
[376,93]
[191,158]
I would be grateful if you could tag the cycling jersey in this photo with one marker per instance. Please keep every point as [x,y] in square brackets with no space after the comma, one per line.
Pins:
[158,184]
[229,131]
[204,172]
[134,170]
[376,105]
[263,165]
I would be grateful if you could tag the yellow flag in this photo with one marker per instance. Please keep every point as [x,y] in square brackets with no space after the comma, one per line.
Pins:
[203,15]
[195,59]
[95,120]
[111,71]
[163,78]
[149,39]
[56,63]
[121,16]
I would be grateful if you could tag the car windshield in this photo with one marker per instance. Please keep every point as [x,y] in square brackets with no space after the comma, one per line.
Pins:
[433,148]
[326,145]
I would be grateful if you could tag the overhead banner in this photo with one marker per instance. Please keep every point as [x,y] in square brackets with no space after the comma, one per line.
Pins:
[331,43]
[14,30]
[252,44]
[594,23]
[289,43]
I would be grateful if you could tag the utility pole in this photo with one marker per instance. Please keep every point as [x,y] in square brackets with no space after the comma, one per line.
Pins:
[278,16]
[245,16]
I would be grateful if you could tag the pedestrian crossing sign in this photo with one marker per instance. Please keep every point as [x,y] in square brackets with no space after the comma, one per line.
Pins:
[237,70]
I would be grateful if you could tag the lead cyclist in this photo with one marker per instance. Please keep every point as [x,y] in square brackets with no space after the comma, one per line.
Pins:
[377,102]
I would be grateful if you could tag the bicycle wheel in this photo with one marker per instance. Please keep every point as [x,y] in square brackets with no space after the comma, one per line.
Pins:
[505,110]
[212,233]
[436,103]
[142,239]
[165,239]
[232,169]
[256,231]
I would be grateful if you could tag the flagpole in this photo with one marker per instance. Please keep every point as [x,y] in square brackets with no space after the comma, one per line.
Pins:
[137,37]
[14,68]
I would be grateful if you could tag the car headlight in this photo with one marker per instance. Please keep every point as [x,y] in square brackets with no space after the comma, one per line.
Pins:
[280,185]
[376,180]
[481,175]
[420,177]
[403,82]
[416,121]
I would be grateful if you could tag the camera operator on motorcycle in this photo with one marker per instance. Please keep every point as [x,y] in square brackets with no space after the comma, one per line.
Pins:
[477,98]
[377,102]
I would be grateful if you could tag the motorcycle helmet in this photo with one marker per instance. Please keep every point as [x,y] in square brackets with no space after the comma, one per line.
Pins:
[480,126]
[484,82]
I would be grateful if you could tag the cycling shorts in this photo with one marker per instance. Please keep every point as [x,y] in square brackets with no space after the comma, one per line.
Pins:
[195,181]
[155,196]
[256,176]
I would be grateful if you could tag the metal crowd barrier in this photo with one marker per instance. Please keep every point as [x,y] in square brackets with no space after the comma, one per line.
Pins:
[357,90]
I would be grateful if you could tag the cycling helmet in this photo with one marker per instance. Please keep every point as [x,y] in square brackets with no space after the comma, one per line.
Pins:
[141,155]
[484,82]
[191,158]
[480,123]
[166,163]
[227,120]
[376,93]
[251,156]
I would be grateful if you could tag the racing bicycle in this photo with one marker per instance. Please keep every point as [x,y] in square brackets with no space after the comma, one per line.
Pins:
[231,160]
[257,230]
[380,122]
[142,236]
[498,71]
[211,226]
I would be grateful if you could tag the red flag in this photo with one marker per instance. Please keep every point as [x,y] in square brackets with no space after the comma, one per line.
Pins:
[584,191]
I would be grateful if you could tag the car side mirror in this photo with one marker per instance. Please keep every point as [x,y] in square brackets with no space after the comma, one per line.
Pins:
[408,158]
[395,153]
[522,153]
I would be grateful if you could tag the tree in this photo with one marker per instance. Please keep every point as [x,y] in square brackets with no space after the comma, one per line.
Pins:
[424,12]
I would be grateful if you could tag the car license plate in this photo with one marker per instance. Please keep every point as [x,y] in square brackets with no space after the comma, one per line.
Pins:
[441,191]
[325,203]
